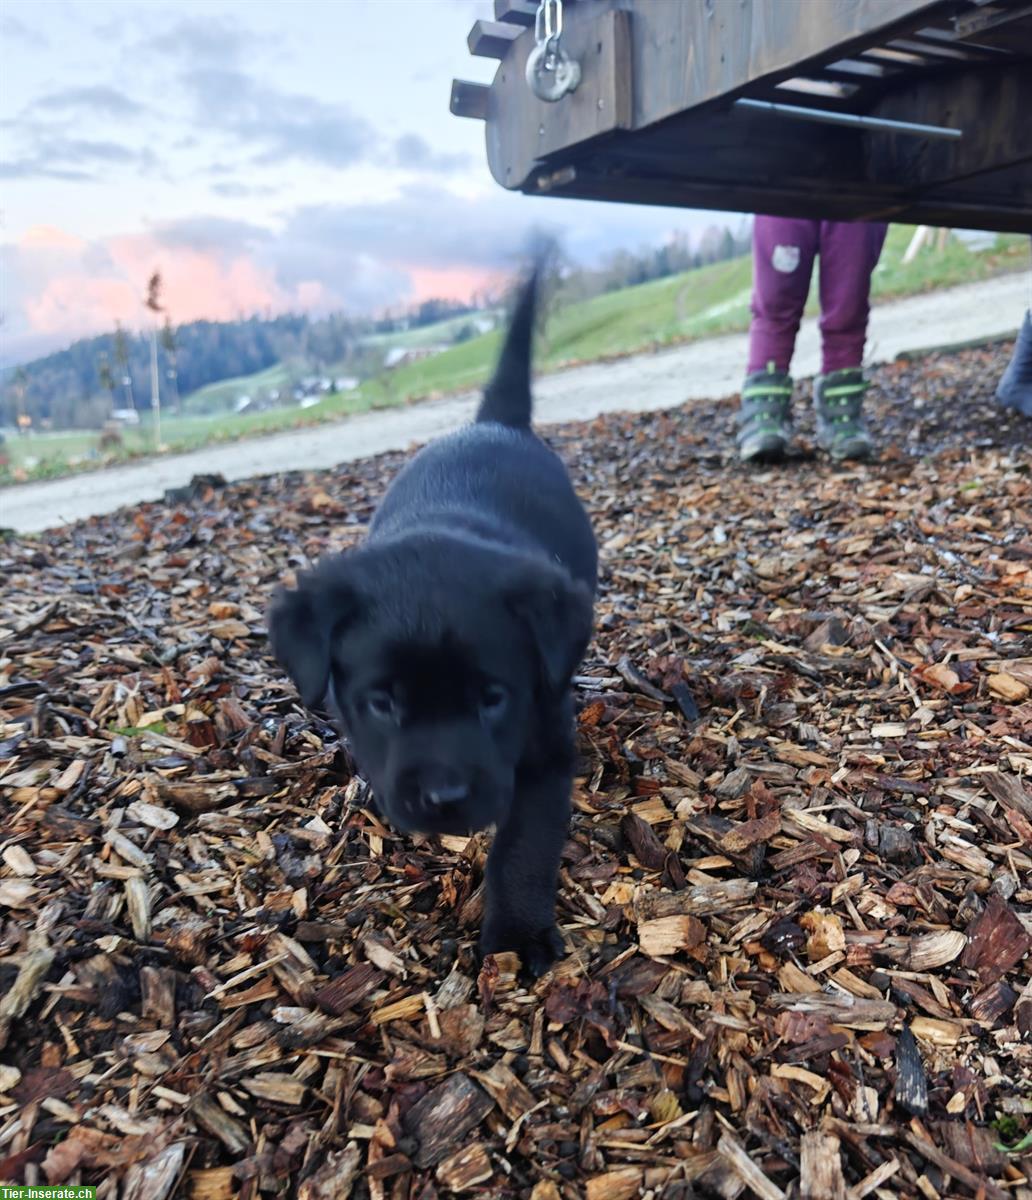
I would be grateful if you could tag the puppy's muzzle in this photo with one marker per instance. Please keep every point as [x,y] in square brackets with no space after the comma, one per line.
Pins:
[435,789]
[447,794]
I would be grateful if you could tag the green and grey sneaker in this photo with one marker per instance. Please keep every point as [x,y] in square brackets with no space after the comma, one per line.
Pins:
[765,418]
[838,400]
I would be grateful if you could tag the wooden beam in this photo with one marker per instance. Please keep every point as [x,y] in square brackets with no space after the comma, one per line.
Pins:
[516,12]
[990,105]
[687,54]
[492,39]
[756,162]
[854,69]
[469,99]
[1000,214]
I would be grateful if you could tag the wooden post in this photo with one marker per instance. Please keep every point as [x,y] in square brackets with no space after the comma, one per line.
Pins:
[916,242]
[155,396]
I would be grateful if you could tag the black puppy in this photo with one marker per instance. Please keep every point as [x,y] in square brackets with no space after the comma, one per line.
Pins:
[446,643]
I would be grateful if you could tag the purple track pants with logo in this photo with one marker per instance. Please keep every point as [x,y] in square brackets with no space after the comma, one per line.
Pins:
[783,252]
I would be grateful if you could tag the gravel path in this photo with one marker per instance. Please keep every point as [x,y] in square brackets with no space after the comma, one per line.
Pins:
[647,382]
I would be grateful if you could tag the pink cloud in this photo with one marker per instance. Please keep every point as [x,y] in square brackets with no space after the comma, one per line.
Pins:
[59,287]
[49,237]
[73,304]
[197,284]
[450,283]
[62,287]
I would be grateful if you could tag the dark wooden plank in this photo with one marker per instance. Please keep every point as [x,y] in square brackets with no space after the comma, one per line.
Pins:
[937,51]
[469,99]
[689,54]
[931,53]
[949,37]
[853,69]
[492,39]
[829,199]
[516,12]
[808,89]
[991,107]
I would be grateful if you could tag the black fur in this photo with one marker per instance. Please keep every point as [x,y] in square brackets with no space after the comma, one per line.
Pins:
[446,643]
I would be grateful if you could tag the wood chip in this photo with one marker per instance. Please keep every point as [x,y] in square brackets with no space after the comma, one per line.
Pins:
[444,1116]
[794,894]
[621,1184]
[731,1150]
[820,1167]
[463,1170]
[16,1000]
[668,935]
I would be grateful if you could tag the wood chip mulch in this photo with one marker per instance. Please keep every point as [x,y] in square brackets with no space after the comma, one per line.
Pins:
[797,895]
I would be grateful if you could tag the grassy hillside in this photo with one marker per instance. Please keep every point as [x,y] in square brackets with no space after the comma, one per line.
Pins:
[707,302]
[704,303]
[221,395]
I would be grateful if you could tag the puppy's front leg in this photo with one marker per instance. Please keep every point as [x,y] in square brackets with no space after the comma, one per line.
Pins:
[523,871]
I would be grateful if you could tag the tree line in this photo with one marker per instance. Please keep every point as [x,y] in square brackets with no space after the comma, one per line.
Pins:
[80,386]
[627,268]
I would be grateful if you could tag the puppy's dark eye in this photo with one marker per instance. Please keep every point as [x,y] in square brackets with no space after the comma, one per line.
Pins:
[381,706]
[493,701]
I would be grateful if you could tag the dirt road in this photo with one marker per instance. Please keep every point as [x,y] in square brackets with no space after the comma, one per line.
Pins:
[645,382]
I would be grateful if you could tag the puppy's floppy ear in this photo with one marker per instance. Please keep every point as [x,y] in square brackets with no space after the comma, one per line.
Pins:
[556,609]
[301,624]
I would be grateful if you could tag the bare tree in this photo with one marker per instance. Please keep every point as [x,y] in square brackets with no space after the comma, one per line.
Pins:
[122,358]
[153,302]
[107,378]
[21,387]
[168,344]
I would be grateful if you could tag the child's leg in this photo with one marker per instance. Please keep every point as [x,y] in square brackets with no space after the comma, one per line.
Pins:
[849,252]
[783,254]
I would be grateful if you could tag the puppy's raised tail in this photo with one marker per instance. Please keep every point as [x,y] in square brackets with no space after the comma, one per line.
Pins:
[507,397]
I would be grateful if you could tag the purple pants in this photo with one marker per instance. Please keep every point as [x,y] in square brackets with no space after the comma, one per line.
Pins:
[783,252]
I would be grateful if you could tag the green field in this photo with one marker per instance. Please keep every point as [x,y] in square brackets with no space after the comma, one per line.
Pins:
[217,397]
[702,303]
[440,333]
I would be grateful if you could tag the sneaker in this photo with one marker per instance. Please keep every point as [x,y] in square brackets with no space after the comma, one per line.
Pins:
[765,418]
[838,400]
[1015,389]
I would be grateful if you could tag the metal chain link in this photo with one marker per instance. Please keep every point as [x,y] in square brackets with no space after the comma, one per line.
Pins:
[551,73]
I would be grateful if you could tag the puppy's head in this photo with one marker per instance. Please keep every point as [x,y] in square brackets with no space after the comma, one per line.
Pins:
[441,667]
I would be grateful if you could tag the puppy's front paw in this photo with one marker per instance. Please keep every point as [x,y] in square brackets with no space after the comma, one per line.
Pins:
[537,949]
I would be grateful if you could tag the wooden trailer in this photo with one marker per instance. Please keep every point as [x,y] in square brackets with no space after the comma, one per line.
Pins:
[901,110]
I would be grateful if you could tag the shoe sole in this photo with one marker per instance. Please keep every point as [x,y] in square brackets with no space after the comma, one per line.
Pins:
[768,449]
[850,453]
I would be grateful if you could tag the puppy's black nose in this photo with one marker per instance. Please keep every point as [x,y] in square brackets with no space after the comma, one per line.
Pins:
[440,795]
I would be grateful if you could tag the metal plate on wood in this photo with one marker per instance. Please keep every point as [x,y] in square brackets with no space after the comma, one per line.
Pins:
[526,129]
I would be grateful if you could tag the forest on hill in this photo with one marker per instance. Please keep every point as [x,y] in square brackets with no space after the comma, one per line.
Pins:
[79,387]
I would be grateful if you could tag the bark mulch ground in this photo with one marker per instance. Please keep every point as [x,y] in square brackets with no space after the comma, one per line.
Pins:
[797,894]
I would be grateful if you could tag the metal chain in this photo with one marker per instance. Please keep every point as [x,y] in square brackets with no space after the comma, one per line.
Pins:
[548,28]
[551,73]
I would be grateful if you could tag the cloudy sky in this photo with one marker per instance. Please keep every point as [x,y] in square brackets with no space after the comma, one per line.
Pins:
[263,155]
